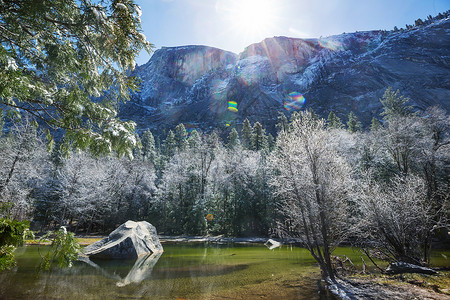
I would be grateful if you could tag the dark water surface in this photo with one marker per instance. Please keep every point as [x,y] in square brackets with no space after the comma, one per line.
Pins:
[183,271]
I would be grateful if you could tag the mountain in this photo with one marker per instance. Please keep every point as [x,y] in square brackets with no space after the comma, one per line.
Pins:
[208,88]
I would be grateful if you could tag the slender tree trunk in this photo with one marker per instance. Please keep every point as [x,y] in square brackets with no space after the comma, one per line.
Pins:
[10,174]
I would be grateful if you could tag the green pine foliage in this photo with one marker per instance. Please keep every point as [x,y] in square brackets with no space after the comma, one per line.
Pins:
[181,137]
[334,121]
[246,134]
[194,139]
[259,138]
[375,124]
[63,251]
[57,56]
[283,122]
[148,145]
[353,124]
[395,105]
[12,235]
[2,122]
[233,139]
[271,141]
[170,144]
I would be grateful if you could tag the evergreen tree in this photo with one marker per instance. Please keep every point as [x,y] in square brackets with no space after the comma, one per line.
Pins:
[194,139]
[233,139]
[2,122]
[259,138]
[170,144]
[271,142]
[213,141]
[181,137]
[334,121]
[137,150]
[375,124]
[283,122]
[353,124]
[56,155]
[148,145]
[246,134]
[59,55]
[394,105]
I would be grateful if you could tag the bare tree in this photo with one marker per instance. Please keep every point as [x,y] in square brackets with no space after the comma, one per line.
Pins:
[24,164]
[313,181]
[395,218]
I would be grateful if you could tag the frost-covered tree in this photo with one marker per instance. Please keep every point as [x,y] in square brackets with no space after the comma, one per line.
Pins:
[24,165]
[81,190]
[57,56]
[396,218]
[402,139]
[182,190]
[312,181]
[435,158]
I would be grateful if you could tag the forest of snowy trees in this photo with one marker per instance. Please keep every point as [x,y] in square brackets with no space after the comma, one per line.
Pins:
[385,187]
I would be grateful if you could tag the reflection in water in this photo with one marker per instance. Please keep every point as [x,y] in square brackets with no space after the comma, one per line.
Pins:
[142,269]
[184,271]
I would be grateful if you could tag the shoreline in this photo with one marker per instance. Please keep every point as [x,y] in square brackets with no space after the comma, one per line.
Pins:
[355,286]
[407,286]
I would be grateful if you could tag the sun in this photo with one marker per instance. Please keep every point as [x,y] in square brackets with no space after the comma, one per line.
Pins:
[253,18]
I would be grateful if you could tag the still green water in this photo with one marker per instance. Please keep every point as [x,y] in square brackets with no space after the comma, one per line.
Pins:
[183,271]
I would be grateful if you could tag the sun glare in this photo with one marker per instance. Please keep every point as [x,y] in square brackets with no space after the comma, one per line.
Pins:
[254,18]
[252,15]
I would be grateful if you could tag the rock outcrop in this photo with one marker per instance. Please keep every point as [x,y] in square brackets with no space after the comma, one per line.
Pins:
[129,241]
[343,73]
[272,244]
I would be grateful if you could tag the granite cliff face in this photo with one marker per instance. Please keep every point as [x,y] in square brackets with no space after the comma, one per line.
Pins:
[348,72]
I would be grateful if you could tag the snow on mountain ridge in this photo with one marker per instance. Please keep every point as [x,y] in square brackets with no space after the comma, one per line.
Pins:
[193,84]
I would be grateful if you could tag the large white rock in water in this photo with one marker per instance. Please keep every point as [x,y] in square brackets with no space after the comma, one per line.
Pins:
[129,241]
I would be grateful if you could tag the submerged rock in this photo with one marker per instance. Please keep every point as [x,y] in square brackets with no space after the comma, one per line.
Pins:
[129,241]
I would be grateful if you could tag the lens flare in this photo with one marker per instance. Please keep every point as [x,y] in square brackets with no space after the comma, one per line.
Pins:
[331,44]
[209,217]
[232,106]
[294,101]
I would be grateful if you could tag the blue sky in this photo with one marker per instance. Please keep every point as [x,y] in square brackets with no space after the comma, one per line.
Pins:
[234,24]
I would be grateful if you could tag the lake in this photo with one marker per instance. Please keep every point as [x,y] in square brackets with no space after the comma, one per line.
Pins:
[183,271]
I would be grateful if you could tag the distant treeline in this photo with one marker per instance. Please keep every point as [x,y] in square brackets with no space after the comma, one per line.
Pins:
[388,184]
[419,22]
